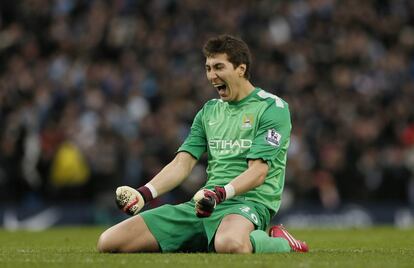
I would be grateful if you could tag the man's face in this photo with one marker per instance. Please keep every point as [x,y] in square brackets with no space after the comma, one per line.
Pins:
[223,76]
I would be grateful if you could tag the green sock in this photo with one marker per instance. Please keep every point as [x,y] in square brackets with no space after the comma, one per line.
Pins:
[262,243]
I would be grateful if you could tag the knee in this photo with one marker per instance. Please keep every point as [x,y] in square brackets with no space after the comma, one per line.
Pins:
[105,243]
[230,244]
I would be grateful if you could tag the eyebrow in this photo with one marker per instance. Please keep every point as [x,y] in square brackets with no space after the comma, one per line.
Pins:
[215,64]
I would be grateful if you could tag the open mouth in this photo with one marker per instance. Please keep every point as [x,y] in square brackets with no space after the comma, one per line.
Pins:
[222,90]
[220,87]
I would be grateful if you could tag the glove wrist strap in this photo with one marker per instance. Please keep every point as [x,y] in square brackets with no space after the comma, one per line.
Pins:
[148,192]
[230,192]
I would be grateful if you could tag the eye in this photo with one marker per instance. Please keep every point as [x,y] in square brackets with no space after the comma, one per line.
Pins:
[218,67]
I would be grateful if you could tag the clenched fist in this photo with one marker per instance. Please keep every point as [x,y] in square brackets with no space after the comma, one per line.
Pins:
[207,200]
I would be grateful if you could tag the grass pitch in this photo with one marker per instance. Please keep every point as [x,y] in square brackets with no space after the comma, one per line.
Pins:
[75,247]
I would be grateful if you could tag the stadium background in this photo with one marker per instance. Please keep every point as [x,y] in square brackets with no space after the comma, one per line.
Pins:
[97,94]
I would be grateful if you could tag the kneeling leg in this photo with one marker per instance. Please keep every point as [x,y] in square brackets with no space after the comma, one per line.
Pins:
[130,235]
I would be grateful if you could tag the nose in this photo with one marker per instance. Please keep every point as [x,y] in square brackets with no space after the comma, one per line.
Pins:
[211,75]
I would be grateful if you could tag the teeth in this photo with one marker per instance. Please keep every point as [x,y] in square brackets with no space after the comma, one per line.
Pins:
[220,87]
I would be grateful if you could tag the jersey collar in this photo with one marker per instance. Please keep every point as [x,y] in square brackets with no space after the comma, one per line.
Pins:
[255,90]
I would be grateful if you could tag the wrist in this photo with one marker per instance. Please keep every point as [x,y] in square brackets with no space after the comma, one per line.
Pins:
[148,192]
[230,191]
[224,193]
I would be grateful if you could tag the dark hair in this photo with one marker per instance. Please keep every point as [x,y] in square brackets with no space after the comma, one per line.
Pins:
[236,49]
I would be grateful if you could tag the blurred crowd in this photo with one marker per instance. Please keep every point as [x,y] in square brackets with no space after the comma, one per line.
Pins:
[96,94]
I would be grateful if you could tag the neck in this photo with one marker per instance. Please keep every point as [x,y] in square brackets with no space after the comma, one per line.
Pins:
[245,88]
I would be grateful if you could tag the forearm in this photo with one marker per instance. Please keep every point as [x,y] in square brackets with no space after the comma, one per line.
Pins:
[174,173]
[131,200]
[251,178]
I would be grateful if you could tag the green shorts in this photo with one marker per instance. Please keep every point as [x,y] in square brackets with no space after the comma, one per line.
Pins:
[178,229]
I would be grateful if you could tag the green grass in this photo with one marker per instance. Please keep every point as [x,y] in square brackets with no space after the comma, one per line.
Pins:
[75,247]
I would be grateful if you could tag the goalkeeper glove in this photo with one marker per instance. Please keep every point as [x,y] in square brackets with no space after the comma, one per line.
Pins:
[131,200]
[206,200]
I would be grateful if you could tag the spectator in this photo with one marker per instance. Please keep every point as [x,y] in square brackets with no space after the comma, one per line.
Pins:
[117,78]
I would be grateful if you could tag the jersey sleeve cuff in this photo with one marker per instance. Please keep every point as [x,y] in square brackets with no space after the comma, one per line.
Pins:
[265,159]
[189,152]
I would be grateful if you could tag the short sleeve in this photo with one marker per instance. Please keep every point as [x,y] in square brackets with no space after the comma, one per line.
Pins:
[195,143]
[273,134]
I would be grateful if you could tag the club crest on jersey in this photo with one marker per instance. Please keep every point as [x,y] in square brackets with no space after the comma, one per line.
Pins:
[273,137]
[247,121]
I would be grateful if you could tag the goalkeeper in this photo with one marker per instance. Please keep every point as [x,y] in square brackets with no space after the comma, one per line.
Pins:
[246,135]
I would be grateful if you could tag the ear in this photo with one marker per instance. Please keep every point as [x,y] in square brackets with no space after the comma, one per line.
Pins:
[241,69]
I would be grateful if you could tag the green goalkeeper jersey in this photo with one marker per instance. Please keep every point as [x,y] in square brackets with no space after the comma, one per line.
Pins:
[256,127]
